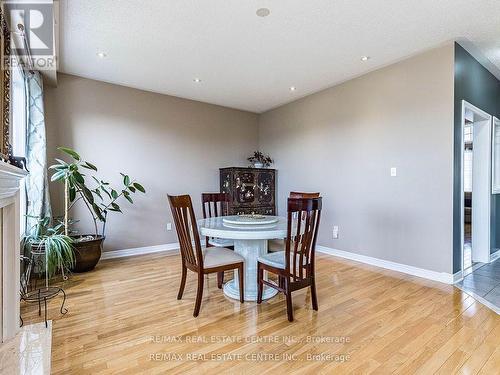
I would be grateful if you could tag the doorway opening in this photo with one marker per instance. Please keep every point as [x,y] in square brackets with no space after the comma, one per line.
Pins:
[476,187]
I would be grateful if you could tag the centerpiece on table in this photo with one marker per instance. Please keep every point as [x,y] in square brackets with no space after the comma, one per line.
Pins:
[100,199]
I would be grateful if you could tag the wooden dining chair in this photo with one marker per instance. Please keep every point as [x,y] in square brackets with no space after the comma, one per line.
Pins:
[196,259]
[296,194]
[295,265]
[279,244]
[214,205]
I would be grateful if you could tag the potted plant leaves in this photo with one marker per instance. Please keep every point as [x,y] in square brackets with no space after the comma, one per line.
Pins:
[99,197]
[54,247]
[259,160]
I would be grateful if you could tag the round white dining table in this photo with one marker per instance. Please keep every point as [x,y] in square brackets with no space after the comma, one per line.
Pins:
[250,241]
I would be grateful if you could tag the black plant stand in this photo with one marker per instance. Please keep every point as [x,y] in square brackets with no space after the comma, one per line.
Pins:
[44,294]
[38,295]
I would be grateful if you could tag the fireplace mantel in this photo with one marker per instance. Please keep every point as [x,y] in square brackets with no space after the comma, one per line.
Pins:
[10,179]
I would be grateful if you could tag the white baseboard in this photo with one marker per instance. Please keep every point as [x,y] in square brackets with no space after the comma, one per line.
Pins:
[458,277]
[410,270]
[169,247]
[443,277]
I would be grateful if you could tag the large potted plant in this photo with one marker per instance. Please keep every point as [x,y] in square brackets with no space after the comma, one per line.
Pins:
[99,198]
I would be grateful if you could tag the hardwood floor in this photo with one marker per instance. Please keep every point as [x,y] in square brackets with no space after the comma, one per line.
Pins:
[124,318]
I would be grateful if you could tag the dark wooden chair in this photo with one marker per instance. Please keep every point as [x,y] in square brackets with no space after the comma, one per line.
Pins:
[203,262]
[279,244]
[214,205]
[295,265]
[296,194]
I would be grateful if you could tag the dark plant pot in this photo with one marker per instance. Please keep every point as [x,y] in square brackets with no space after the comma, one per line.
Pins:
[87,253]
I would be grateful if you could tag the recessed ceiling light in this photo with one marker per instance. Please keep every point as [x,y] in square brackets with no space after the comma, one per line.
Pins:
[293,88]
[365,58]
[197,80]
[102,55]
[263,12]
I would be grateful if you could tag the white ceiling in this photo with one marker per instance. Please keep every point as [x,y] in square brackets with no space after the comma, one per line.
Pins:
[249,62]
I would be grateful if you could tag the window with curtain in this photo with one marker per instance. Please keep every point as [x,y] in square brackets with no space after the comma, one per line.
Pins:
[18,128]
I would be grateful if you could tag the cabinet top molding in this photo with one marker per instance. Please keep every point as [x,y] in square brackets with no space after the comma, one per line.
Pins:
[249,168]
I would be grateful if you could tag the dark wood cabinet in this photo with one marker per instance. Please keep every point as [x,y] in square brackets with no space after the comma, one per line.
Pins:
[252,190]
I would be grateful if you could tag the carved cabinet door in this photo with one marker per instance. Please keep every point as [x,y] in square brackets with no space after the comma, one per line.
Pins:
[244,183]
[265,188]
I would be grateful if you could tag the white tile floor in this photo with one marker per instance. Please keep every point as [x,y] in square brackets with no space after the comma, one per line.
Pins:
[29,352]
[484,282]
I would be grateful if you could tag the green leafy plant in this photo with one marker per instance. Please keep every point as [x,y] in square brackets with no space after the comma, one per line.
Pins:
[259,157]
[57,247]
[100,199]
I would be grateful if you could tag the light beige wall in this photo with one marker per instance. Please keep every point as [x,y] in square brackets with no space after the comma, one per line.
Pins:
[170,145]
[343,142]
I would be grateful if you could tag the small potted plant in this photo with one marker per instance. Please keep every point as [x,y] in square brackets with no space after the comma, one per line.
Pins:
[100,199]
[259,160]
[49,242]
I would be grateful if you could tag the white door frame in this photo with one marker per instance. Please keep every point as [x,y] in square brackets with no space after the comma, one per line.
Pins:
[467,106]
[495,121]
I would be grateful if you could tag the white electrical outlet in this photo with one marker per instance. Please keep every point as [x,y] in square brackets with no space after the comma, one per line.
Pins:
[169,226]
[335,232]
[394,172]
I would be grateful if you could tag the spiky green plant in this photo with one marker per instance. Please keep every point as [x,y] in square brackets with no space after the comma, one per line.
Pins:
[57,247]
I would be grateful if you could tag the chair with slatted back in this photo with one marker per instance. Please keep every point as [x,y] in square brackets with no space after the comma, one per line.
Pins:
[196,259]
[295,265]
[279,244]
[214,205]
[296,194]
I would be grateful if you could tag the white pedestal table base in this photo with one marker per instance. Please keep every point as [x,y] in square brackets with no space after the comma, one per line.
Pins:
[250,250]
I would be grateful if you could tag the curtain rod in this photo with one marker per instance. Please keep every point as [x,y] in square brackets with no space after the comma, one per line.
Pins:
[20,27]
